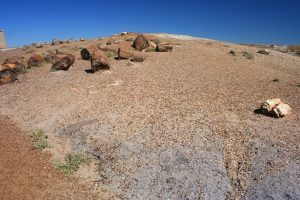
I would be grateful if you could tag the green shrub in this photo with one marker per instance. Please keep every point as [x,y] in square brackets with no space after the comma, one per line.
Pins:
[72,163]
[40,140]
[150,49]
[156,41]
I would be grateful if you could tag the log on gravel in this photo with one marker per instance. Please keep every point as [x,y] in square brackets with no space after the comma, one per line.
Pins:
[99,61]
[86,52]
[64,63]
[7,76]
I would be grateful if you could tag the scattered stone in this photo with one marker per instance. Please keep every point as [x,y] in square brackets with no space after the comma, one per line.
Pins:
[164,47]
[57,42]
[7,76]
[140,43]
[64,63]
[99,61]
[82,39]
[16,62]
[36,60]
[124,55]
[264,51]
[282,110]
[69,41]
[130,63]
[37,45]
[86,52]
[124,33]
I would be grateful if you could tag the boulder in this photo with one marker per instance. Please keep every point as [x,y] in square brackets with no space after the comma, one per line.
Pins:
[99,61]
[36,60]
[64,63]
[124,55]
[140,43]
[16,62]
[164,47]
[7,76]
[264,51]
[86,52]
[56,42]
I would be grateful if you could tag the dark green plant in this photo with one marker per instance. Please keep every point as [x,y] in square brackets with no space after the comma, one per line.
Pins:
[40,140]
[72,163]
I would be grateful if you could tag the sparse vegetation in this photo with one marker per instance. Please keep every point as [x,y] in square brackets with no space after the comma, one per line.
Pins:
[232,52]
[99,44]
[150,49]
[65,50]
[72,163]
[129,39]
[156,41]
[111,53]
[248,55]
[40,140]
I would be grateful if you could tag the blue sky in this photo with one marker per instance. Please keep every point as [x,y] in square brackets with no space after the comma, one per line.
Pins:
[251,21]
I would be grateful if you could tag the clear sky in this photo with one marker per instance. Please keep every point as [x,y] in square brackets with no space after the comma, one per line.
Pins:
[239,21]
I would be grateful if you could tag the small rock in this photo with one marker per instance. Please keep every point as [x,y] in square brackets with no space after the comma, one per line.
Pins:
[282,110]
[82,39]
[64,63]
[164,47]
[130,63]
[124,33]
[264,51]
[37,45]
[270,104]
[36,60]
[140,43]
[137,59]
[56,42]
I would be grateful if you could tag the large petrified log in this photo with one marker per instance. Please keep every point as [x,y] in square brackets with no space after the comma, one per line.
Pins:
[86,52]
[16,62]
[36,60]
[7,76]
[99,61]
[140,43]
[64,63]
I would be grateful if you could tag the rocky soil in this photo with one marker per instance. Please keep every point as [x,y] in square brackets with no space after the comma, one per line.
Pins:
[180,125]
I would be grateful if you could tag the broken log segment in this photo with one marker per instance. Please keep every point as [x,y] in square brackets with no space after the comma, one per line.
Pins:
[282,110]
[7,76]
[88,51]
[269,104]
[99,61]
[64,63]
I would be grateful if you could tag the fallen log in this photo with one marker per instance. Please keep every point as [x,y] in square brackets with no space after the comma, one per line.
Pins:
[86,52]
[99,61]
[64,63]
[7,76]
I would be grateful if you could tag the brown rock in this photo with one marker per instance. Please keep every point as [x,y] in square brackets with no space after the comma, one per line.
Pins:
[140,43]
[36,60]
[64,63]
[164,47]
[8,76]
[124,55]
[16,62]
[86,52]
[99,61]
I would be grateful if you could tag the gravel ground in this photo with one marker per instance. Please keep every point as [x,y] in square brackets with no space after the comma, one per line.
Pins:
[180,125]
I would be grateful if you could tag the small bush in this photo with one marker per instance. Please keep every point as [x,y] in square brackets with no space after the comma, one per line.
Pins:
[40,140]
[65,50]
[72,163]
[231,52]
[129,39]
[156,41]
[111,53]
[150,49]
[248,55]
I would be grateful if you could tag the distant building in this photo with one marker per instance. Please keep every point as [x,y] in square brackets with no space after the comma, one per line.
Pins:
[2,40]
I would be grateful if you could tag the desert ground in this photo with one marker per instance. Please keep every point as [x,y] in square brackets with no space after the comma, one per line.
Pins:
[179,125]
